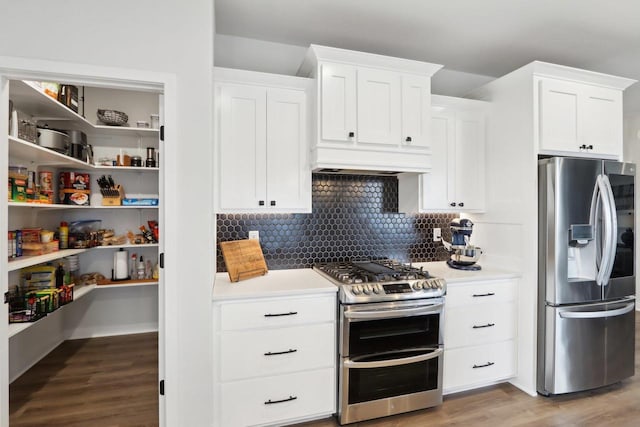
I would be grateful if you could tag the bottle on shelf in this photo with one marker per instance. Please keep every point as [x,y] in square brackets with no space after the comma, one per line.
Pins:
[64,235]
[141,273]
[59,276]
[133,268]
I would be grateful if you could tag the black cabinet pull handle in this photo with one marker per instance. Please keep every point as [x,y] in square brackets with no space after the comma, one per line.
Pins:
[452,204]
[273,203]
[461,204]
[483,366]
[291,313]
[276,353]
[261,203]
[488,325]
[488,294]
[408,139]
[352,134]
[289,399]
[590,147]
[583,147]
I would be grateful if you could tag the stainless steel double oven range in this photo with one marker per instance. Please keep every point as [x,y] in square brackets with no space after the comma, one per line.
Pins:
[390,338]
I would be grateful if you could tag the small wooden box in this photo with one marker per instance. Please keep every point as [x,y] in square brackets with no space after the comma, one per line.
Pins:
[243,259]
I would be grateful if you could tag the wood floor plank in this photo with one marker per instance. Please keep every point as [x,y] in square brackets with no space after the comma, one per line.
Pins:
[110,381]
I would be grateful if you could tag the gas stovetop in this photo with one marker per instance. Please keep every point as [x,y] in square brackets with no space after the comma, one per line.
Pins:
[381,280]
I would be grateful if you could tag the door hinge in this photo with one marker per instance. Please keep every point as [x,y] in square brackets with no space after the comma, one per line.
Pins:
[162,133]
[6,297]
[161,387]
[162,260]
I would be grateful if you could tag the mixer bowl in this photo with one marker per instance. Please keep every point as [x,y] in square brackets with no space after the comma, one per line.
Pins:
[466,256]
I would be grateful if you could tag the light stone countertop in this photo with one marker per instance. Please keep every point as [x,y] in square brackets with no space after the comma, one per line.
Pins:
[302,281]
[275,283]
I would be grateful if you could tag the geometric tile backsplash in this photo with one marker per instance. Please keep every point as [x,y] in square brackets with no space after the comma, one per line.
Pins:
[354,217]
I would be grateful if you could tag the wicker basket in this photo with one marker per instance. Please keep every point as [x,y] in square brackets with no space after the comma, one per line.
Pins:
[112,117]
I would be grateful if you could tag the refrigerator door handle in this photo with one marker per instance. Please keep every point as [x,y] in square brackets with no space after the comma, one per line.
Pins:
[603,197]
[597,314]
[594,220]
[613,231]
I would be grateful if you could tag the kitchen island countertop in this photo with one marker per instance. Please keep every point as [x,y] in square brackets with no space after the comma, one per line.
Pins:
[275,283]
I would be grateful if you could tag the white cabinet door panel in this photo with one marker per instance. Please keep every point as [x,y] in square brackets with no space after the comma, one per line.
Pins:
[379,107]
[438,186]
[287,149]
[416,111]
[243,147]
[338,98]
[253,353]
[602,120]
[272,400]
[481,324]
[469,153]
[559,115]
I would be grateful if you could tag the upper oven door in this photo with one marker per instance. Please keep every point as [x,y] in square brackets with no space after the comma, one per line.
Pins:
[386,328]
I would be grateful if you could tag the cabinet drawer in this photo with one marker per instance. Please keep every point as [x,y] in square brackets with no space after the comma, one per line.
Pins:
[481,293]
[246,354]
[245,403]
[471,366]
[277,312]
[479,324]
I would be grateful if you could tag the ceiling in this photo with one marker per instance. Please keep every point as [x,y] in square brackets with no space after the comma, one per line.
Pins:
[487,37]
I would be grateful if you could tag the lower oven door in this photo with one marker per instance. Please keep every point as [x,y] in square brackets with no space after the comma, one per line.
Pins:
[389,383]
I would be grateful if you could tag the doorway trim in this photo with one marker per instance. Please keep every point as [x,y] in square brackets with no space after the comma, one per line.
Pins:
[14,68]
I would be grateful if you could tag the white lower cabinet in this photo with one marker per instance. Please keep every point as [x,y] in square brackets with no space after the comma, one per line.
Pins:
[274,360]
[479,334]
[278,400]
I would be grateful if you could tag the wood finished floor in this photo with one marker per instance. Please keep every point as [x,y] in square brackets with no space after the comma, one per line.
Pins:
[504,405]
[110,381]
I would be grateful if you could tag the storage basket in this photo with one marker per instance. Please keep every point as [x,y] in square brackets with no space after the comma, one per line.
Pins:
[113,117]
[27,308]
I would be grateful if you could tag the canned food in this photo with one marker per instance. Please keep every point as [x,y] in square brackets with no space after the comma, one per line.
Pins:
[46,181]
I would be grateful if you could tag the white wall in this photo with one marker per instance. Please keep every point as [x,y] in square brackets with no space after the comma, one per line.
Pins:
[268,57]
[164,36]
[632,154]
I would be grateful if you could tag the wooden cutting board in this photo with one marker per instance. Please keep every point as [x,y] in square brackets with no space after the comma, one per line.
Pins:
[243,259]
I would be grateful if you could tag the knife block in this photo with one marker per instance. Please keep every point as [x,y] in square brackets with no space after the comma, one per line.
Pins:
[112,197]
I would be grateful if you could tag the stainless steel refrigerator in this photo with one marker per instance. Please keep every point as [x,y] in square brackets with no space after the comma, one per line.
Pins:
[586,280]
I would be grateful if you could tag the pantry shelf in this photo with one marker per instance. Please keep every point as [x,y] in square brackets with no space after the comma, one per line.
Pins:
[28,261]
[78,292]
[146,245]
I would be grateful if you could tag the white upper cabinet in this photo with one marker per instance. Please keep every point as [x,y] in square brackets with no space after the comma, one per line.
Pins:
[373,111]
[456,182]
[379,107]
[416,111]
[338,93]
[582,119]
[262,143]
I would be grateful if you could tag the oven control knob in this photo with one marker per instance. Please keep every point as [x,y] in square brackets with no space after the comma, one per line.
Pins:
[376,289]
[417,286]
[357,289]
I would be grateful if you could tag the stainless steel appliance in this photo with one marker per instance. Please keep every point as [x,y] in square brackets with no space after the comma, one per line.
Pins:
[463,254]
[390,344]
[586,278]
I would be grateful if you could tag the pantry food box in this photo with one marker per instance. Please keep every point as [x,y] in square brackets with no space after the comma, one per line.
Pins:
[74,188]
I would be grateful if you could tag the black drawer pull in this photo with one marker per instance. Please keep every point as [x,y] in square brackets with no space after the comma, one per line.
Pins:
[273,203]
[261,203]
[291,313]
[352,134]
[488,325]
[483,366]
[275,353]
[289,399]
[488,294]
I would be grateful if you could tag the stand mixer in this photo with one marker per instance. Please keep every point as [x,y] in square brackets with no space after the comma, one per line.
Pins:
[463,255]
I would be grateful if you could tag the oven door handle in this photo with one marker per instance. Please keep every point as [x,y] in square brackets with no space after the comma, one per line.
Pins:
[393,362]
[399,312]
